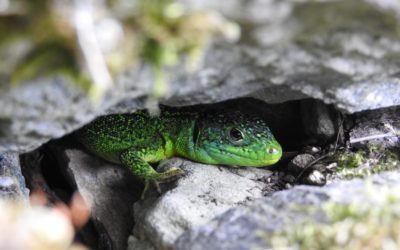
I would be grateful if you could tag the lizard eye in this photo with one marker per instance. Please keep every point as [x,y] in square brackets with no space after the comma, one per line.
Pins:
[235,135]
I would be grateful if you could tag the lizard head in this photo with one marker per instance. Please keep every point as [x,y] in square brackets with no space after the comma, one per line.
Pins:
[235,139]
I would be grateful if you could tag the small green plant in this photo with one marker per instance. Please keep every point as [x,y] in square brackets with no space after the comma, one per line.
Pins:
[366,162]
[357,225]
[49,40]
[167,33]
[351,160]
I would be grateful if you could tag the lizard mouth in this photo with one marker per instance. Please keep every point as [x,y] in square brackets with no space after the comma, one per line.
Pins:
[234,158]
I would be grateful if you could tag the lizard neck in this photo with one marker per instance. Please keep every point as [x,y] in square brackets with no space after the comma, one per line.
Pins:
[184,144]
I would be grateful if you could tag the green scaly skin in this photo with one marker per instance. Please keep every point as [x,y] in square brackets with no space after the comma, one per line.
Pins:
[137,139]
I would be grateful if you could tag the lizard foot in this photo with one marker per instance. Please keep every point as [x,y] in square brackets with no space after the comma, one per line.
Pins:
[169,175]
[158,178]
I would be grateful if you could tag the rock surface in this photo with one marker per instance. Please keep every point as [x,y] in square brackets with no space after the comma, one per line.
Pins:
[204,192]
[39,111]
[12,183]
[320,121]
[350,60]
[289,51]
[376,128]
[109,189]
[242,227]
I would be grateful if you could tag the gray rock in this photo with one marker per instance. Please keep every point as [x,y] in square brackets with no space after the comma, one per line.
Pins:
[242,227]
[39,111]
[109,189]
[204,192]
[290,51]
[12,183]
[134,243]
[315,177]
[351,61]
[319,121]
[308,169]
[300,162]
[376,128]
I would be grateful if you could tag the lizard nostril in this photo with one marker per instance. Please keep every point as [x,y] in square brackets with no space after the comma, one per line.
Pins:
[272,151]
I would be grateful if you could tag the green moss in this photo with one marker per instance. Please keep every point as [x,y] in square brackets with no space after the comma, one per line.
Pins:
[358,225]
[366,162]
[351,160]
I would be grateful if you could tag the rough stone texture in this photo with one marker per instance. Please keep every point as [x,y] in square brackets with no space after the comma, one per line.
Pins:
[376,128]
[109,189]
[299,162]
[12,183]
[134,243]
[341,52]
[319,121]
[36,112]
[204,192]
[240,228]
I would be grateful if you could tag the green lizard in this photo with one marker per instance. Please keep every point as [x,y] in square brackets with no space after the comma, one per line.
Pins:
[137,139]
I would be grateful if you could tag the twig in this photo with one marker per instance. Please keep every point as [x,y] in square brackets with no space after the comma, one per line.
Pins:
[372,137]
[311,164]
[90,47]
[340,131]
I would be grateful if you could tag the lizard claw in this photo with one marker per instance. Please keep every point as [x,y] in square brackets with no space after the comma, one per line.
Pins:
[167,176]
[157,185]
[145,189]
[171,174]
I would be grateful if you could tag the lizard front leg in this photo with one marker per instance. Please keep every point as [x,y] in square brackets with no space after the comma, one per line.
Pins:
[136,161]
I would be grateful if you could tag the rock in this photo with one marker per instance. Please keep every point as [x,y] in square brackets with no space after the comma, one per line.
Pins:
[319,121]
[306,173]
[109,189]
[12,183]
[276,181]
[35,177]
[247,227]
[289,179]
[315,177]
[134,243]
[204,192]
[348,62]
[300,162]
[376,128]
[39,111]
[351,62]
